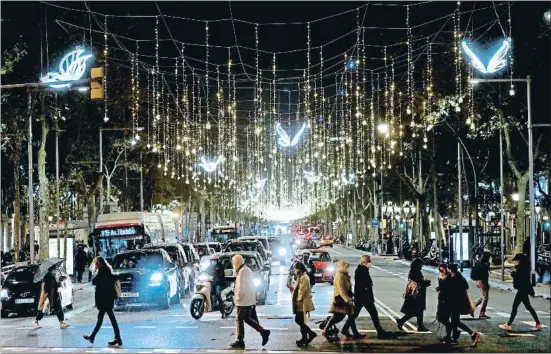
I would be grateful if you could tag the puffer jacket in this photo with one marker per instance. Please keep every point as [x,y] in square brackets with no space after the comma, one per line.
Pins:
[302,297]
[245,292]
[343,288]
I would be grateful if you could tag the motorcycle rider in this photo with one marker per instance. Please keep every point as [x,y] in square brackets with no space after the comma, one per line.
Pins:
[219,282]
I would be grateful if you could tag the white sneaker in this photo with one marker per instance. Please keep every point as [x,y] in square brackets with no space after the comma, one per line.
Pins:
[35,323]
[63,325]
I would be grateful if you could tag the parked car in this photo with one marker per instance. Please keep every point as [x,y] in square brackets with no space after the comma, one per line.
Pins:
[203,249]
[324,265]
[20,294]
[187,274]
[191,256]
[264,241]
[216,246]
[279,251]
[250,246]
[147,277]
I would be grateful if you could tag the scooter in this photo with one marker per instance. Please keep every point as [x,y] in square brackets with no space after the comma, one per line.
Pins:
[204,300]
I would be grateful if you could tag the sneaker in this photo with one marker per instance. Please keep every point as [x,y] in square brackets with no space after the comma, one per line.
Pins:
[484,317]
[115,343]
[301,343]
[63,325]
[35,323]
[238,344]
[506,327]
[476,338]
[88,338]
[537,327]
[265,337]
[445,340]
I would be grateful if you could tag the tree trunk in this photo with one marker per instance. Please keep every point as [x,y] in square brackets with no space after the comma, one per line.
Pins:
[43,194]
[108,197]
[17,197]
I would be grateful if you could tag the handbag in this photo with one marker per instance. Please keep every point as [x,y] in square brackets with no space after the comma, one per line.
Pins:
[412,290]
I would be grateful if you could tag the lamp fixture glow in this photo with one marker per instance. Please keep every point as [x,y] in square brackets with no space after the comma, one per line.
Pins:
[71,67]
[210,166]
[496,63]
[283,138]
[515,196]
[383,128]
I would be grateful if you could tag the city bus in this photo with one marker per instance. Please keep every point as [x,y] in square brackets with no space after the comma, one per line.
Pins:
[223,234]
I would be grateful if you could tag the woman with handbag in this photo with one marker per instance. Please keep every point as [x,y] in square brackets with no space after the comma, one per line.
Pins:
[302,304]
[415,297]
[49,291]
[342,304]
[105,295]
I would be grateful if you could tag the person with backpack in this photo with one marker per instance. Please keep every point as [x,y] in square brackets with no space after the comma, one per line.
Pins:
[480,274]
[107,290]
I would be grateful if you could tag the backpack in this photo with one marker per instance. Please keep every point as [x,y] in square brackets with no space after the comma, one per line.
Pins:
[475,272]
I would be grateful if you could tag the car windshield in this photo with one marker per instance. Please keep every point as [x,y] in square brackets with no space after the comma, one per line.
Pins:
[320,256]
[274,243]
[171,250]
[225,263]
[202,250]
[20,276]
[141,260]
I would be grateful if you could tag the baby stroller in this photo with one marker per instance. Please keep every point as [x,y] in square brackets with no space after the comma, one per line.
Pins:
[332,332]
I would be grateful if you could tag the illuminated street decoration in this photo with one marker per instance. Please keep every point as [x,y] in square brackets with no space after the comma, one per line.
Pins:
[283,137]
[71,68]
[345,180]
[311,177]
[260,183]
[496,63]
[210,166]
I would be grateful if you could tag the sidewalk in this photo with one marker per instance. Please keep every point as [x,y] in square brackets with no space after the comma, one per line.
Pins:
[542,290]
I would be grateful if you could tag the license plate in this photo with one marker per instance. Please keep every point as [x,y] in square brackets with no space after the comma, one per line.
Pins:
[24,301]
[130,294]
[318,275]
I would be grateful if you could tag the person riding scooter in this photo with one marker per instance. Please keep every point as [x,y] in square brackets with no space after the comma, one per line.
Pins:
[219,282]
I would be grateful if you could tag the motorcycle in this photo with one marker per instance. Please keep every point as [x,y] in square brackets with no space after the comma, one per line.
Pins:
[204,299]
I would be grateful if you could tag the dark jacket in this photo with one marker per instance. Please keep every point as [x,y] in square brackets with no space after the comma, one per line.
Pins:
[484,271]
[50,291]
[458,287]
[415,306]
[521,279]
[81,259]
[444,298]
[105,289]
[363,287]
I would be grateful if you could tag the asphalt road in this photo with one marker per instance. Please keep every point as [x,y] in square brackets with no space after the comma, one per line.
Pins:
[173,330]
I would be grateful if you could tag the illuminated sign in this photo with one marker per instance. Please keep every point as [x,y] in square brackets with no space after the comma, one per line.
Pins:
[283,138]
[224,231]
[125,231]
[497,62]
[71,68]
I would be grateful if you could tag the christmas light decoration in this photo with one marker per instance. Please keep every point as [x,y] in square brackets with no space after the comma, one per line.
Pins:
[497,62]
[283,138]
[210,166]
[71,67]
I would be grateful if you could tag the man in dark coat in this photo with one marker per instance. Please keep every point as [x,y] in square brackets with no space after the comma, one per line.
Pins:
[482,275]
[81,258]
[364,297]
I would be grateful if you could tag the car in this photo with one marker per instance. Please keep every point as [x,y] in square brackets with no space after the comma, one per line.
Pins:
[250,246]
[264,241]
[252,260]
[324,265]
[326,241]
[216,246]
[279,251]
[191,256]
[20,294]
[147,277]
[187,274]
[203,249]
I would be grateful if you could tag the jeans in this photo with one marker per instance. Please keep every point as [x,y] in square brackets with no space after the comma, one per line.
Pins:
[244,315]
[455,324]
[101,315]
[58,311]
[522,296]
[485,292]
[370,307]
[304,329]
[79,272]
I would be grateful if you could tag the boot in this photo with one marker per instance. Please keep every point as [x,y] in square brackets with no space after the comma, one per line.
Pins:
[238,344]
[115,343]
[89,338]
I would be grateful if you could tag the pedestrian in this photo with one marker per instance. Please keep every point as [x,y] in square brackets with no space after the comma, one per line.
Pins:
[364,297]
[245,300]
[302,304]
[480,273]
[89,263]
[49,291]
[443,311]
[80,262]
[460,304]
[523,284]
[415,297]
[105,296]
[342,304]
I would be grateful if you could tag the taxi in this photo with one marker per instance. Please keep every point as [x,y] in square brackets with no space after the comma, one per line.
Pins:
[326,240]
[324,268]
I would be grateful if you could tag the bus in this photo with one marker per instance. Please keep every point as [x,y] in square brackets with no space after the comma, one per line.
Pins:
[120,232]
[223,234]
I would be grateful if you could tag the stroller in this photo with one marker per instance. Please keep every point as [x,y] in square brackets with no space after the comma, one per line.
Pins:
[332,332]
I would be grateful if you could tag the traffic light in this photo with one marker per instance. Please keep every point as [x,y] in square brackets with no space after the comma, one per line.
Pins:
[96,84]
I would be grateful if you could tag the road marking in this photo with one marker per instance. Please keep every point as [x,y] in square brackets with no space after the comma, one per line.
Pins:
[502,314]
[395,314]
[145,327]
[187,327]
[532,323]
[490,308]
[520,334]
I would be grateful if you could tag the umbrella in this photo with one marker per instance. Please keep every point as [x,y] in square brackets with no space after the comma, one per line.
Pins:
[45,267]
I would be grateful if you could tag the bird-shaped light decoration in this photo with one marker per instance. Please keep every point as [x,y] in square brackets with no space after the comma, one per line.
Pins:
[496,63]
[210,166]
[311,177]
[71,68]
[345,180]
[260,183]
[283,137]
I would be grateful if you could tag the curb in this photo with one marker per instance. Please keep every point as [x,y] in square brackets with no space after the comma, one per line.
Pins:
[492,283]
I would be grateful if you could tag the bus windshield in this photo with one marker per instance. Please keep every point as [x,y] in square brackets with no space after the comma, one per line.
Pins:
[224,234]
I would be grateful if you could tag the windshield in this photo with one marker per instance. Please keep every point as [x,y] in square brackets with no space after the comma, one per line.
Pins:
[224,263]
[20,276]
[202,250]
[319,256]
[141,260]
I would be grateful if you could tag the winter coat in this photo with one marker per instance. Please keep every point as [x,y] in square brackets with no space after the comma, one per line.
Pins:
[343,288]
[521,279]
[445,304]
[105,289]
[49,289]
[414,306]
[245,292]
[302,297]
[81,259]
[363,288]
[457,295]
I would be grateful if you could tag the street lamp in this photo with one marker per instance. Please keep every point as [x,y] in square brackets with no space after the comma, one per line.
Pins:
[383,128]
[515,196]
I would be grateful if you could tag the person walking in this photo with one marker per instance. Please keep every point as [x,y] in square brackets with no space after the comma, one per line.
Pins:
[415,299]
[105,296]
[302,304]
[342,304]
[245,300]
[80,263]
[459,304]
[364,297]
[521,282]
[49,291]
[443,311]
[480,273]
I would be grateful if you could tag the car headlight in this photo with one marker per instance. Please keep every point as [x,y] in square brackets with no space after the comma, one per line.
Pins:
[257,282]
[156,279]
[4,294]
[204,277]
[282,251]
[330,268]
[297,242]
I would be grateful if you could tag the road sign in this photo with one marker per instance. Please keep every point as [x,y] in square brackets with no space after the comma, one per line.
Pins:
[375,223]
